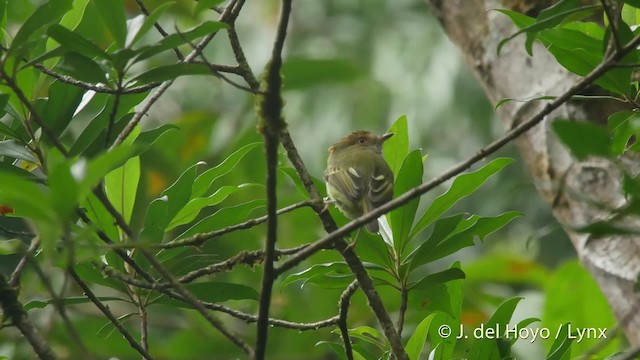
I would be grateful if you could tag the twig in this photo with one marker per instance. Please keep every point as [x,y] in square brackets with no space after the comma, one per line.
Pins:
[464,165]
[114,112]
[404,299]
[343,306]
[271,123]
[105,310]
[227,14]
[199,239]
[14,279]
[612,15]
[146,12]
[243,65]
[95,87]
[13,310]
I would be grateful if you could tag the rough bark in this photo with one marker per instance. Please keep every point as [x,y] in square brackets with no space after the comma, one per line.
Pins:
[579,192]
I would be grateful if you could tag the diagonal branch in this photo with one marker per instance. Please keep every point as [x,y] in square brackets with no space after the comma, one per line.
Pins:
[271,124]
[162,32]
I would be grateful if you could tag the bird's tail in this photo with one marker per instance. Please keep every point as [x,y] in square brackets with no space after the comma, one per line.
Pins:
[371,226]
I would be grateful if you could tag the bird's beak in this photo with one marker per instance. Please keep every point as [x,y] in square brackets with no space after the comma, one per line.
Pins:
[386,136]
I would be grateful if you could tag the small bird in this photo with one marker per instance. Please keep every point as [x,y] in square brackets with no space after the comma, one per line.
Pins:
[357,176]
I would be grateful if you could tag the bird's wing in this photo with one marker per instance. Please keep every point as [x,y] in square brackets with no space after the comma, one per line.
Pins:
[345,181]
[381,185]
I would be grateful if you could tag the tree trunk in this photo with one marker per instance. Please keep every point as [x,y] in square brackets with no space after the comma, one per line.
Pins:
[579,192]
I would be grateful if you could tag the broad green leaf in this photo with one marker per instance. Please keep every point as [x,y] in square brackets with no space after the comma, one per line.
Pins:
[561,348]
[203,182]
[463,186]
[409,176]
[455,233]
[569,40]
[172,201]
[292,174]
[134,36]
[146,139]
[438,278]
[583,139]
[89,174]
[224,217]
[121,186]
[434,299]
[100,218]
[370,335]
[445,347]
[9,132]
[214,292]
[64,189]
[46,14]
[418,338]
[14,150]
[94,276]
[112,13]
[76,43]
[3,18]
[371,248]
[339,267]
[206,4]
[193,207]
[39,304]
[396,148]
[82,68]
[623,125]
[572,278]
[304,73]
[175,40]
[487,348]
[61,105]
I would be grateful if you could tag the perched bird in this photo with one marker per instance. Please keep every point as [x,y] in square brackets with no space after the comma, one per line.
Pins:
[357,176]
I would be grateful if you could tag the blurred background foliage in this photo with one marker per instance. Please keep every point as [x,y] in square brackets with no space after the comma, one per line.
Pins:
[350,64]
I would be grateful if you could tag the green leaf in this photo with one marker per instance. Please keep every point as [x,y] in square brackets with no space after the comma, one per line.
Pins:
[487,348]
[409,176]
[506,100]
[561,348]
[572,278]
[121,186]
[204,181]
[61,105]
[396,148]
[175,40]
[46,14]
[438,278]
[454,233]
[172,201]
[205,5]
[370,335]
[371,248]
[339,267]
[303,73]
[583,139]
[64,190]
[134,35]
[82,68]
[624,126]
[75,300]
[112,14]
[634,3]
[292,174]
[418,338]
[224,217]
[193,207]
[463,186]
[214,292]
[14,150]
[146,139]
[75,43]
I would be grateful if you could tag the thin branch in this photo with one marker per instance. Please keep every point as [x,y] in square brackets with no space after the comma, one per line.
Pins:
[12,309]
[612,14]
[271,123]
[114,112]
[343,306]
[146,12]
[73,333]
[105,310]
[404,299]
[229,13]
[199,239]
[14,279]
[520,129]
[95,87]
[243,65]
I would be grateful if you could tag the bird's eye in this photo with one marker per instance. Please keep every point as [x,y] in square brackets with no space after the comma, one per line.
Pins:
[362,141]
